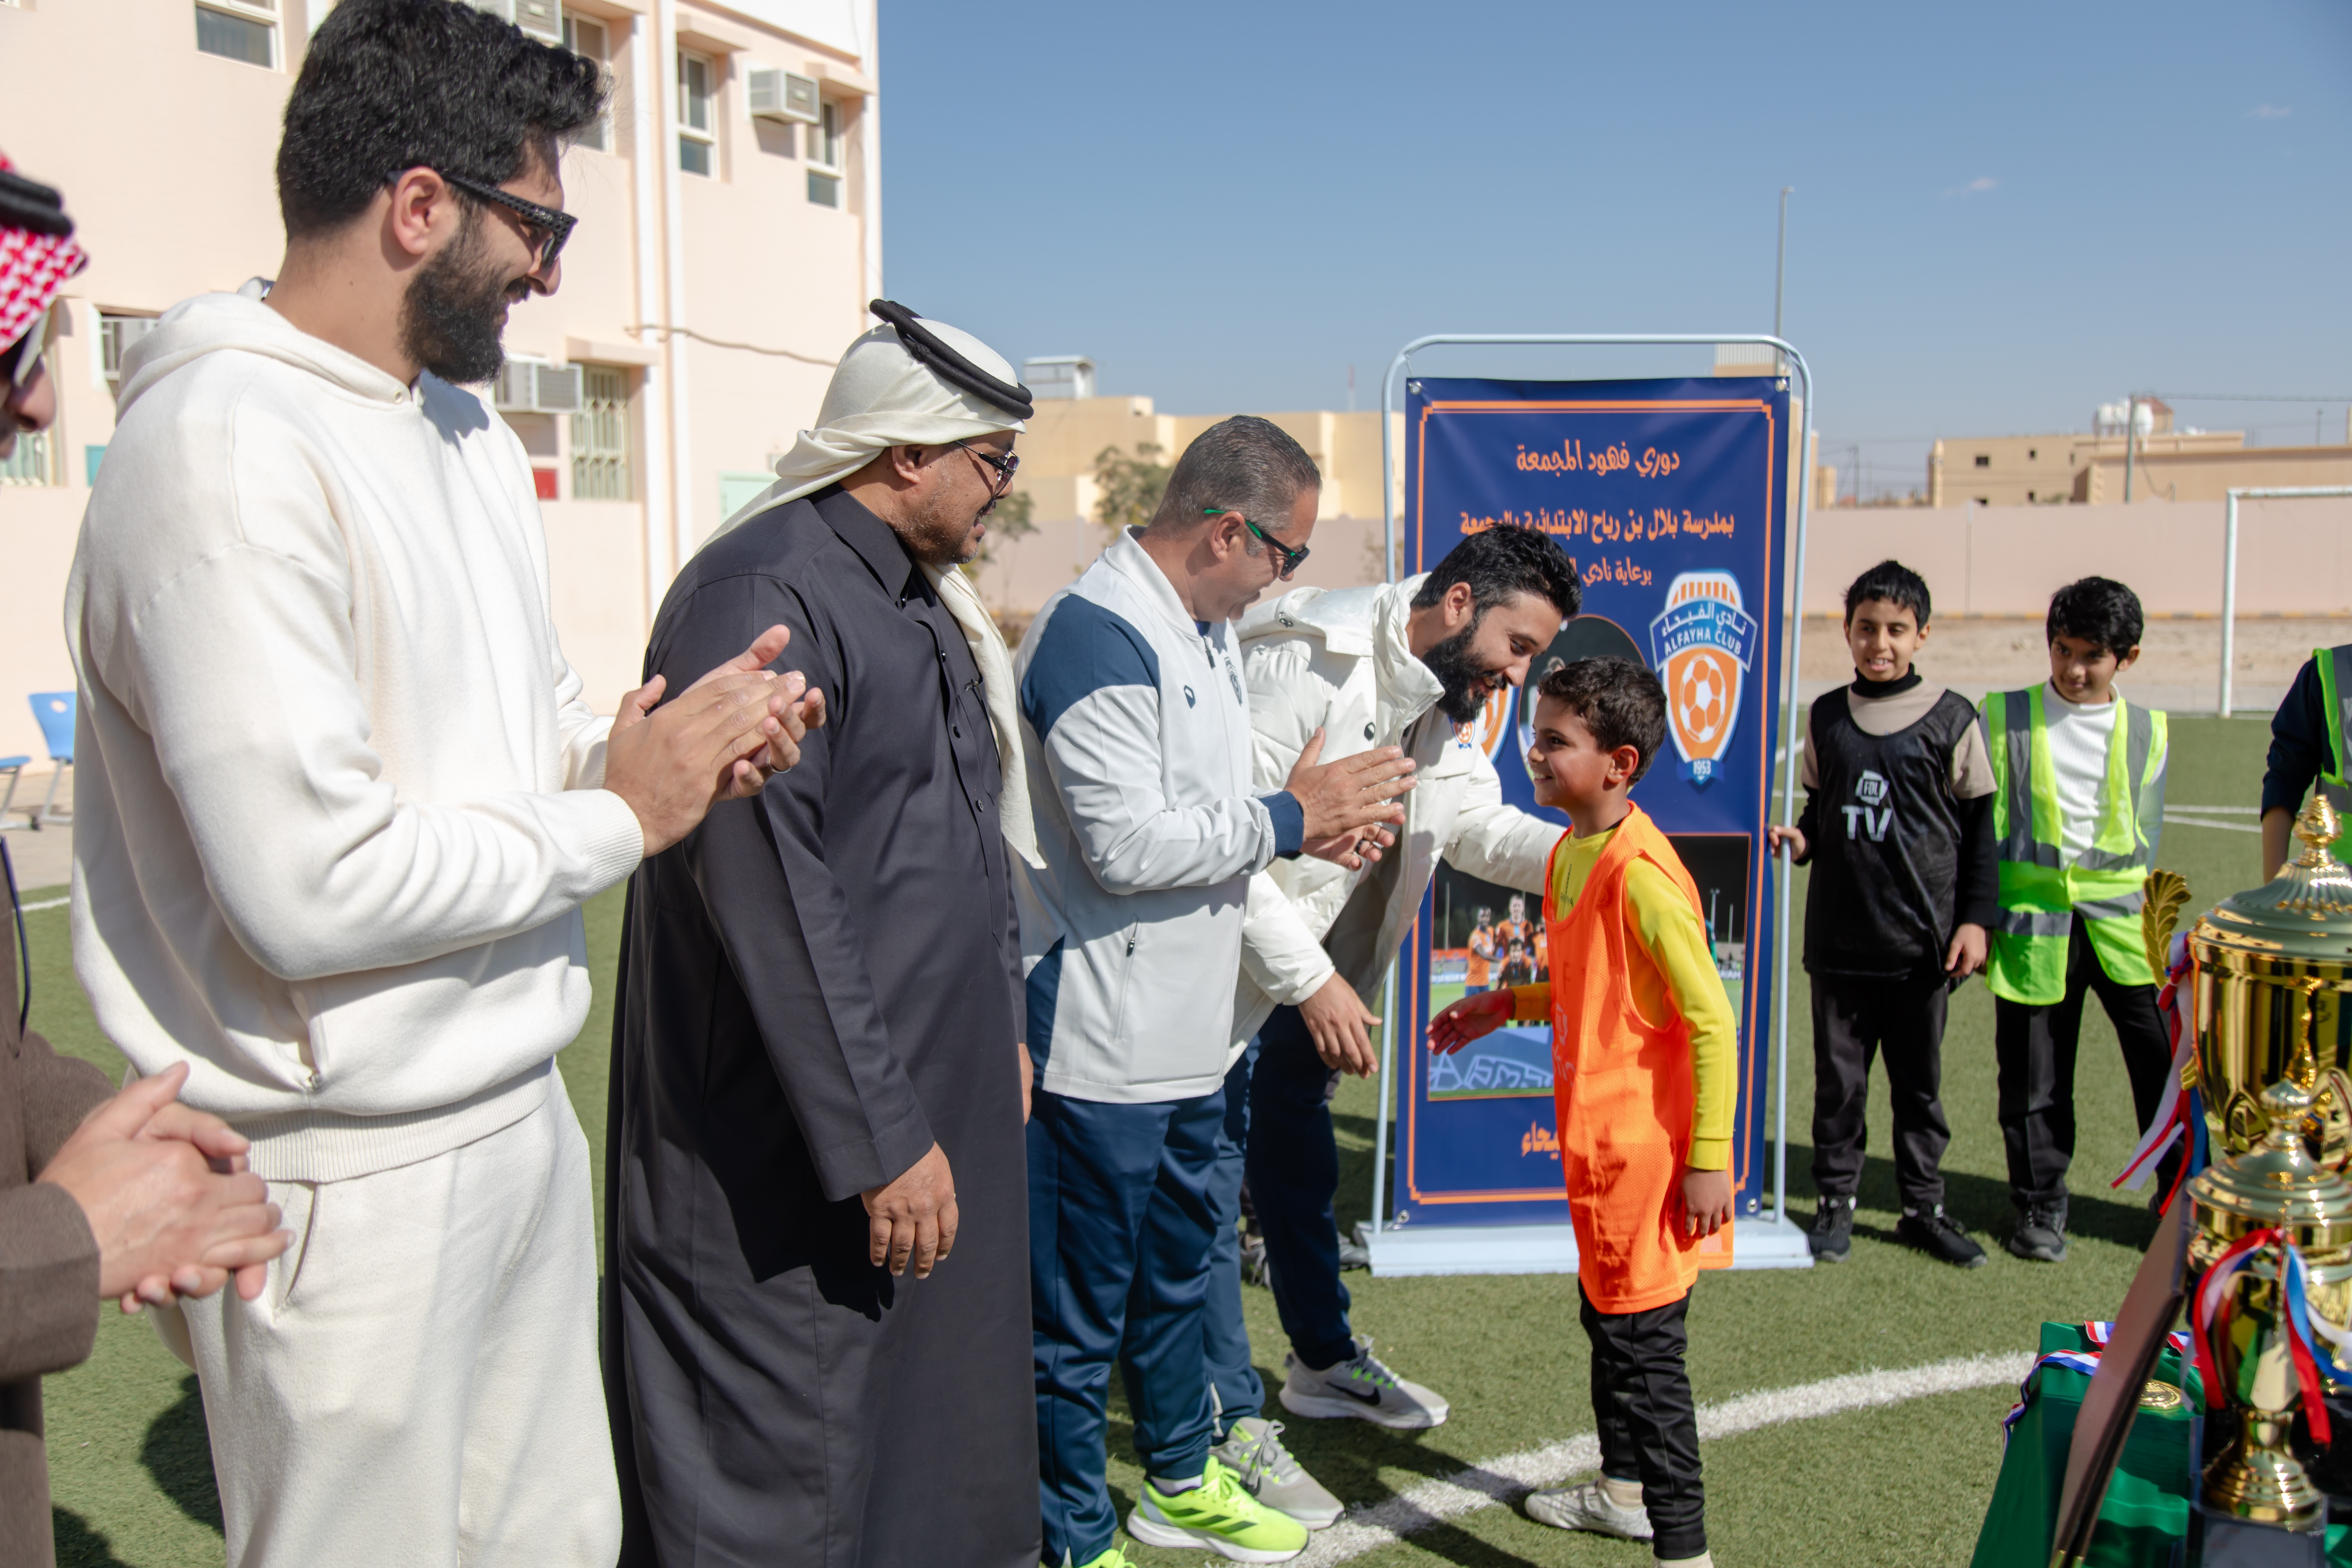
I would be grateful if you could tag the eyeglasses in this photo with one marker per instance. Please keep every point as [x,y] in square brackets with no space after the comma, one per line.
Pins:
[29,349]
[554,227]
[1290,557]
[1005,467]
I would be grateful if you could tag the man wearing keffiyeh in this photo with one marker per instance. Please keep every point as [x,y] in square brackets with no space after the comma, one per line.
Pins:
[818,1087]
[38,254]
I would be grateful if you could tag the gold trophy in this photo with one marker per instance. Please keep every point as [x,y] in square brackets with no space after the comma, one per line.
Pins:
[2273,967]
[2276,1185]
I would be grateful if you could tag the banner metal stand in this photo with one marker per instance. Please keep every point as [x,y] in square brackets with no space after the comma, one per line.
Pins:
[1542,1249]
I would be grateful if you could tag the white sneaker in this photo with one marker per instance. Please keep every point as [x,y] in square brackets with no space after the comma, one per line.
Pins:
[1588,1507]
[1361,1387]
[1272,1474]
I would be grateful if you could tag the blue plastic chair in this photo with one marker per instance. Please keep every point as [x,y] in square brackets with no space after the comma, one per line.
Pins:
[53,711]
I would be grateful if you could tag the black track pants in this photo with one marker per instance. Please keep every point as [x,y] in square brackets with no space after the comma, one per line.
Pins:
[2035,1047]
[1856,1022]
[1648,1427]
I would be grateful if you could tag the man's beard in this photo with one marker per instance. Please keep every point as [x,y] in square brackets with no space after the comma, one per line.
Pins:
[938,535]
[1464,678]
[455,311]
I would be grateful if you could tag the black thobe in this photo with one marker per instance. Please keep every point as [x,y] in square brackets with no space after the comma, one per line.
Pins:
[815,985]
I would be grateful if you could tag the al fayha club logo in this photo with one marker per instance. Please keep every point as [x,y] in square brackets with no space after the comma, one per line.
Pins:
[1702,644]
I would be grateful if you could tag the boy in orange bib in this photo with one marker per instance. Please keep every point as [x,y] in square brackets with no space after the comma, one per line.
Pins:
[1643,1054]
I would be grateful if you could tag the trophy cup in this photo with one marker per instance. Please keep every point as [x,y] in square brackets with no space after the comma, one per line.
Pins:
[2276,1187]
[2273,967]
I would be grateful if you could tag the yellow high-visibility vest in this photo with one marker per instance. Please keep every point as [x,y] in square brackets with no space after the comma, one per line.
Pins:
[2040,895]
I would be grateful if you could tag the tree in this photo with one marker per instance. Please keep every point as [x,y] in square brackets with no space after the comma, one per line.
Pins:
[1013,515]
[1129,488]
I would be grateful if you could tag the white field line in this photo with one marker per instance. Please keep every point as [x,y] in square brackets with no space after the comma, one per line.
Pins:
[1506,1479]
[2175,819]
[46,904]
[2218,810]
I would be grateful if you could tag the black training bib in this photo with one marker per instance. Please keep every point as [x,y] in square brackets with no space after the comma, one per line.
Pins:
[1886,855]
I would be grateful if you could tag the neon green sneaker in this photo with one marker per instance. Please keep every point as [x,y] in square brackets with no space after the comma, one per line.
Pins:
[1221,1515]
[1111,1557]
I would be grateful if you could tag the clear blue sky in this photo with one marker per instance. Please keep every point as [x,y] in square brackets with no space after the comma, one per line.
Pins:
[2005,214]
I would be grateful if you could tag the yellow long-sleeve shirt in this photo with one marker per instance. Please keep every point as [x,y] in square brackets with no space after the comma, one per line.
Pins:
[1681,974]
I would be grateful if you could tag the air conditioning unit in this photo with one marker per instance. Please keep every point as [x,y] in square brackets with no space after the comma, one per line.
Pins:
[542,19]
[781,95]
[525,387]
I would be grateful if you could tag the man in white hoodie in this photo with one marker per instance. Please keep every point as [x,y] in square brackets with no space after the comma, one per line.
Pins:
[1412,664]
[340,797]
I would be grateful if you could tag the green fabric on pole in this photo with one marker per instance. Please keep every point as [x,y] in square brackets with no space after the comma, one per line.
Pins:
[2146,1505]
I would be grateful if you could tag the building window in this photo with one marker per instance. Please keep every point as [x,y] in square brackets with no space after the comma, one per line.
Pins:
[587,39]
[115,336]
[600,436]
[239,30]
[1984,460]
[32,463]
[824,155]
[698,121]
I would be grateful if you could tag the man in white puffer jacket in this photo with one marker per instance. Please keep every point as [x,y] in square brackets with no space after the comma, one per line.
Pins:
[1410,664]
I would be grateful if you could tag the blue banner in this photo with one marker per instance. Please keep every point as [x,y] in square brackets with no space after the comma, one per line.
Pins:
[1672,498]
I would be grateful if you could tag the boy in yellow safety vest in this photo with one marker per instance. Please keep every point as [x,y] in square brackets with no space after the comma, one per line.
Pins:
[2077,812]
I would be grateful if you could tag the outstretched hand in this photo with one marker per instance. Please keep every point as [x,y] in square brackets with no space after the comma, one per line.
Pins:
[720,738]
[1341,799]
[1471,1018]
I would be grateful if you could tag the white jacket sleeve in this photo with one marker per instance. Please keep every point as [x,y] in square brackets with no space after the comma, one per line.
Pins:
[240,670]
[1103,756]
[1499,843]
[1288,703]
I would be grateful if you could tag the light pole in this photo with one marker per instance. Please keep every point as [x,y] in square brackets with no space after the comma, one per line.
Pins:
[1780,272]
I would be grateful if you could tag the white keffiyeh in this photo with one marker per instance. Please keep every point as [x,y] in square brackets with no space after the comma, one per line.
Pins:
[882,397]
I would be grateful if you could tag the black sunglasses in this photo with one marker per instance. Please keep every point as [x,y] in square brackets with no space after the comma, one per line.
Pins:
[1005,467]
[555,227]
[1290,558]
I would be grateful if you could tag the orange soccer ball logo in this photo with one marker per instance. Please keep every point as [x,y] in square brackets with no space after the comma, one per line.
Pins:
[1702,644]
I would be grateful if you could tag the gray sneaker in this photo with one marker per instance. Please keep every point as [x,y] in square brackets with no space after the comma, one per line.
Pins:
[1587,1506]
[1359,1386]
[1271,1473]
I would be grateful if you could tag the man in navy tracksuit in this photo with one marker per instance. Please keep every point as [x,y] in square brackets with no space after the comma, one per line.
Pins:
[1138,761]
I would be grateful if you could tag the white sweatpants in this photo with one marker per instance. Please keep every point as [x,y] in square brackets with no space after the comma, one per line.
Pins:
[419,1383]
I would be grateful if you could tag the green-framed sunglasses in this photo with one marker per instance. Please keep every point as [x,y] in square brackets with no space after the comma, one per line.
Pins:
[1290,557]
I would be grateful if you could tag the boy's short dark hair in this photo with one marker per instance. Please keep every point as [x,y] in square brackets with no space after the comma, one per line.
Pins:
[2100,611]
[393,85]
[1895,583]
[1619,700]
[1500,562]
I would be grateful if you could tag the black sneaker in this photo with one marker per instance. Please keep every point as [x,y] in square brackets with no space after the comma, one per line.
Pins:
[1937,1235]
[1831,1236]
[2041,1235]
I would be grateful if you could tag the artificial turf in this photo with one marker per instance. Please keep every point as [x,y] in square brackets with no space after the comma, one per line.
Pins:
[1905,1485]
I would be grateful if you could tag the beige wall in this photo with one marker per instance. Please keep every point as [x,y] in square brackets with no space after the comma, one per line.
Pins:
[2294,557]
[167,171]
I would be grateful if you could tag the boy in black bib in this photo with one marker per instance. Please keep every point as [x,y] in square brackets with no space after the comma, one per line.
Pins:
[1898,827]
